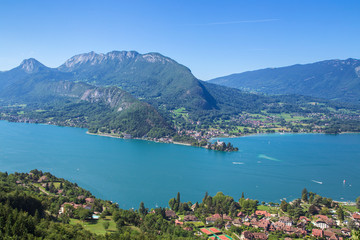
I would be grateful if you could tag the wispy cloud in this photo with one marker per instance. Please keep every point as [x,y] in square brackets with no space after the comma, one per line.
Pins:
[235,22]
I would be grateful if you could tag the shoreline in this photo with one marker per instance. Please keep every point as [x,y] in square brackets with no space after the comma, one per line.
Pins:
[179,143]
[345,201]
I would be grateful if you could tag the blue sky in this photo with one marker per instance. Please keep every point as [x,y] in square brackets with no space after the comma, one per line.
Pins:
[212,38]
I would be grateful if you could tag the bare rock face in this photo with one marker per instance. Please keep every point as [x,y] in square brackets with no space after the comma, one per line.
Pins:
[357,71]
[118,57]
[31,65]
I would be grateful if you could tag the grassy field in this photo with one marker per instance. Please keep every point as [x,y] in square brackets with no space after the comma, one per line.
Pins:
[96,226]
[181,112]
[350,208]
[268,209]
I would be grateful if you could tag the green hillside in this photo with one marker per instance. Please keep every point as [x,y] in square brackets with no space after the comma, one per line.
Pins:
[43,96]
[332,79]
[157,79]
[152,96]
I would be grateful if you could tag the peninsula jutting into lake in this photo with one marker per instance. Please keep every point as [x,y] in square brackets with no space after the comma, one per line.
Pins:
[161,100]
[177,120]
[267,167]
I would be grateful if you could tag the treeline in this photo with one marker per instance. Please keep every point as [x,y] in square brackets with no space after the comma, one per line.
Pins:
[222,146]
[28,213]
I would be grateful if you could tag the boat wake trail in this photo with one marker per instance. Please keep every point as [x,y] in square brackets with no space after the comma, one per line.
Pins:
[239,163]
[268,158]
[317,182]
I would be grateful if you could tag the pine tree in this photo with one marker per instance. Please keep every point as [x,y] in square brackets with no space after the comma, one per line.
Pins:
[36,217]
[205,197]
[340,214]
[142,209]
[178,198]
[304,195]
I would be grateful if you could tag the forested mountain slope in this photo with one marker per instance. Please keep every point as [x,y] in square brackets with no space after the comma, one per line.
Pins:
[331,79]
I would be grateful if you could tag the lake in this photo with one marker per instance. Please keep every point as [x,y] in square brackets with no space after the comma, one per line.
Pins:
[267,167]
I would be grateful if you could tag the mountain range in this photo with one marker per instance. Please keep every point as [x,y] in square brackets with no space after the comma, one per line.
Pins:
[330,79]
[142,94]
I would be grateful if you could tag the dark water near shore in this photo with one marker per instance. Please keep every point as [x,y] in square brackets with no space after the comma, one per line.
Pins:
[267,167]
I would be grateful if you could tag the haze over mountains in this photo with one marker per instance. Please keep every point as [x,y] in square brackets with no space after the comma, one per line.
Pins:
[331,79]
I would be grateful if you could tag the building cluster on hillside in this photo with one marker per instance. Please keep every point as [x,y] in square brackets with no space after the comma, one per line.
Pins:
[88,205]
[266,223]
[203,135]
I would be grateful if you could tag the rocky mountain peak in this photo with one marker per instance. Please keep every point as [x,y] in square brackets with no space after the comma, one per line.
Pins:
[31,65]
[118,57]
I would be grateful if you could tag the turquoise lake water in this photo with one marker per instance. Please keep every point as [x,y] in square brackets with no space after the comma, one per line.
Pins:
[267,167]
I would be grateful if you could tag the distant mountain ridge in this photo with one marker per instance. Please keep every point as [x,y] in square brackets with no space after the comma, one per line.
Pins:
[145,95]
[330,79]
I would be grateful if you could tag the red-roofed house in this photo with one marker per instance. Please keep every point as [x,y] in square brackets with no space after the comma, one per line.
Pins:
[262,213]
[226,217]
[241,214]
[43,179]
[323,217]
[90,200]
[246,235]
[286,220]
[303,218]
[178,223]
[190,218]
[356,216]
[188,228]
[261,236]
[170,214]
[213,218]
[237,222]
[317,233]
[264,223]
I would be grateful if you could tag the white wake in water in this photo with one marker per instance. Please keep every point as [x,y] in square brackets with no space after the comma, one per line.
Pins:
[317,182]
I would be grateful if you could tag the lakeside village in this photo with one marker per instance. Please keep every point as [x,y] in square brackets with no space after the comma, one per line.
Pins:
[190,138]
[197,133]
[63,203]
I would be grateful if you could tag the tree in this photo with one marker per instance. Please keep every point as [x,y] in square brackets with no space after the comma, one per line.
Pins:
[178,198]
[313,210]
[119,224]
[142,210]
[358,203]
[172,202]
[242,195]
[325,211]
[340,213]
[284,206]
[205,197]
[311,197]
[83,213]
[106,225]
[304,195]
